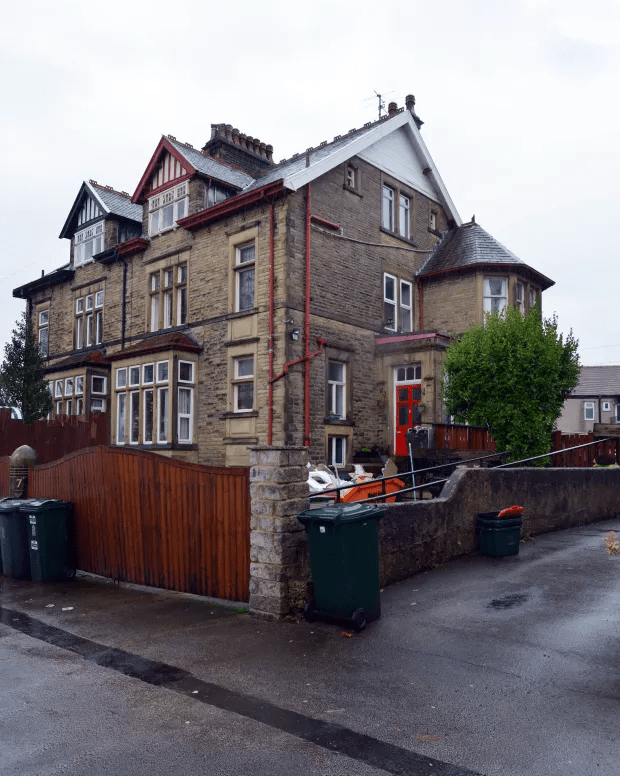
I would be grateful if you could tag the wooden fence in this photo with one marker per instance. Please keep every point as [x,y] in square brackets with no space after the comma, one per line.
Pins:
[450,436]
[55,438]
[143,518]
[585,456]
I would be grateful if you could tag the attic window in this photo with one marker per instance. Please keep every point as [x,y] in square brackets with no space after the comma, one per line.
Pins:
[87,243]
[215,194]
[167,208]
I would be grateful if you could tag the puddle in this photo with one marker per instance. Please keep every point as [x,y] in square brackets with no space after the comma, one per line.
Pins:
[509,601]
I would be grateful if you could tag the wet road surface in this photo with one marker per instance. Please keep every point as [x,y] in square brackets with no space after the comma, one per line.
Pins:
[506,666]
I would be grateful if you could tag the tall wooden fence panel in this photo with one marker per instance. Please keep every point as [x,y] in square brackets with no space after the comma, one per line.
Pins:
[143,518]
[458,437]
[585,456]
[5,468]
[54,438]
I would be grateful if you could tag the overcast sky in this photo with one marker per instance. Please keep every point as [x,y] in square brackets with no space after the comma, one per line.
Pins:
[519,99]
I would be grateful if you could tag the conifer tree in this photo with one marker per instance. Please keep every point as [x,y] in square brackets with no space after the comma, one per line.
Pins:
[22,374]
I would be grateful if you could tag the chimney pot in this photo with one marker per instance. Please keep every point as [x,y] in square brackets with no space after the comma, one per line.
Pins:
[410,102]
[235,136]
[392,109]
[269,152]
[228,129]
[263,150]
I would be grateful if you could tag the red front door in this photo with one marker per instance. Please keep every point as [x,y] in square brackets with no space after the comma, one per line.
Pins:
[407,415]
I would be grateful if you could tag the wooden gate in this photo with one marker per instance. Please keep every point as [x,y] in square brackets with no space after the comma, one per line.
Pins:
[140,517]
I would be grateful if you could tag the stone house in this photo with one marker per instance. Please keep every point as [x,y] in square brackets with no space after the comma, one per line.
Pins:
[233,301]
[595,399]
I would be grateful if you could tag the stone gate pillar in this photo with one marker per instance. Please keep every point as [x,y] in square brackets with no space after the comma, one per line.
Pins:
[278,548]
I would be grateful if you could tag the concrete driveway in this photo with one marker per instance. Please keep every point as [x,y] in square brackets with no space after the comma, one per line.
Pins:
[505,666]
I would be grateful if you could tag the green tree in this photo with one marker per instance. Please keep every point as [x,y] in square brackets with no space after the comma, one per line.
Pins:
[511,375]
[22,374]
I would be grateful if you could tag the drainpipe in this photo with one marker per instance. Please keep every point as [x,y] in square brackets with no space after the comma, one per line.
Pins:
[307,327]
[418,283]
[271,326]
[123,303]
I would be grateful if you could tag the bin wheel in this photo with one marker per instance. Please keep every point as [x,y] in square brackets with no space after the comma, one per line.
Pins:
[358,620]
[310,611]
[69,573]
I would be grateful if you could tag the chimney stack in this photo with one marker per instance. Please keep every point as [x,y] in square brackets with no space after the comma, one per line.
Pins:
[410,105]
[243,151]
[392,109]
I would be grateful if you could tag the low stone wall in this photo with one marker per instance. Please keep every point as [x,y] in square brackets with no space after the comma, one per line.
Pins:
[413,535]
[419,534]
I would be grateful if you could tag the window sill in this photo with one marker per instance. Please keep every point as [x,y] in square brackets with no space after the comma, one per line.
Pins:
[436,232]
[397,236]
[352,190]
[248,414]
[331,422]
[241,313]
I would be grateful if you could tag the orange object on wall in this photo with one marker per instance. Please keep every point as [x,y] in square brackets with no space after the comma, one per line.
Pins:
[373,488]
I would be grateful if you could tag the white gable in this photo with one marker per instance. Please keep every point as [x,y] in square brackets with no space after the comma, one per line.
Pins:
[396,155]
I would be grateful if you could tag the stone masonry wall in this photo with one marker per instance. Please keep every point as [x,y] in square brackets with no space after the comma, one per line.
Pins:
[278,554]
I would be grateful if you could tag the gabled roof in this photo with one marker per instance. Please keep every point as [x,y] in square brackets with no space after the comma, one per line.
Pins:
[469,246]
[108,201]
[598,381]
[193,161]
[296,172]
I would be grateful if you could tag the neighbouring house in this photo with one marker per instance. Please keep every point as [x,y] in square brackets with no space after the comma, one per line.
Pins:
[234,301]
[595,399]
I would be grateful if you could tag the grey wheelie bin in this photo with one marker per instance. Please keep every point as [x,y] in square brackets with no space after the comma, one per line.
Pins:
[344,559]
[14,540]
[47,525]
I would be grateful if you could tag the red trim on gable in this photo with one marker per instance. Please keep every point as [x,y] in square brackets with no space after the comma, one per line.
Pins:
[136,245]
[231,205]
[164,144]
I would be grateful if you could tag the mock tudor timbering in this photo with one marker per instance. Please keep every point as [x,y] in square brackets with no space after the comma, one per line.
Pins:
[232,302]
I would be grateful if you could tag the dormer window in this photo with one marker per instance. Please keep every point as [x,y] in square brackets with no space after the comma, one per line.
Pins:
[167,208]
[87,243]
[216,194]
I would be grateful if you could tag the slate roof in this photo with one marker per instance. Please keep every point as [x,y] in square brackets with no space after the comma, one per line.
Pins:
[171,341]
[117,203]
[94,358]
[469,245]
[598,381]
[293,165]
[212,167]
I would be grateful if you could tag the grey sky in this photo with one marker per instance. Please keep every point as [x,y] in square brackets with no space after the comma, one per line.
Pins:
[518,98]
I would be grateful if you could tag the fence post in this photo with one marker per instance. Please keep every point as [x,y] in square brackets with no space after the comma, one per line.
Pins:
[278,550]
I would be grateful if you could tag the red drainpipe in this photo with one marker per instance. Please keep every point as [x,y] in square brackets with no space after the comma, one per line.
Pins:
[271,317]
[307,327]
[418,283]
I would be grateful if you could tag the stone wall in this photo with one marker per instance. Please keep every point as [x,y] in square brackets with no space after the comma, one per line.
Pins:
[413,535]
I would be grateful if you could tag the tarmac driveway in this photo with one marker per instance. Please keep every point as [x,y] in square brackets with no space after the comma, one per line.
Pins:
[504,666]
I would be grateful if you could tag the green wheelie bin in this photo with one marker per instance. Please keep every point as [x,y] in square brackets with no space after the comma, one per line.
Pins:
[344,559]
[47,524]
[14,540]
[498,537]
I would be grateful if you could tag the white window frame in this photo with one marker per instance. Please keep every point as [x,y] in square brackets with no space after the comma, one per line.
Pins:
[390,301]
[97,404]
[162,380]
[79,385]
[79,406]
[432,220]
[131,373]
[588,407]
[68,386]
[332,448]
[98,299]
[168,297]
[606,406]
[245,379]
[88,243]
[406,310]
[121,377]
[145,416]
[520,296]
[244,267]
[145,379]
[69,407]
[121,415]
[44,326]
[134,404]
[92,384]
[337,390]
[191,366]
[173,201]
[58,389]
[404,216]
[185,416]
[488,299]
[388,195]
[162,438]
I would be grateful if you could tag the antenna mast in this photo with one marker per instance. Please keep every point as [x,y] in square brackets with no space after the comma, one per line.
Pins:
[381,103]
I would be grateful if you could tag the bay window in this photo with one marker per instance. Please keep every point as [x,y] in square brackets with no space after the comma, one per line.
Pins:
[87,243]
[167,208]
[168,297]
[494,299]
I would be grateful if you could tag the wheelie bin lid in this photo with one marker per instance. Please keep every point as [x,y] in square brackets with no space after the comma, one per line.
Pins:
[41,504]
[10,504]
[341,513]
